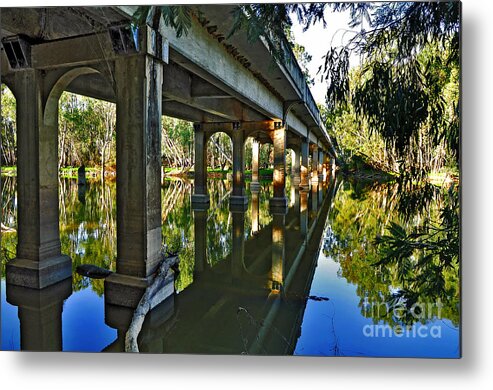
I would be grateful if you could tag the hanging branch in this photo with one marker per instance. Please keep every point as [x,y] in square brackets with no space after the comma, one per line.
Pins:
[144,305]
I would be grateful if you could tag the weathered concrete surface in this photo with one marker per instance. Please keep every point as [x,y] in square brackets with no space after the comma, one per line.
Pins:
[39,262]
[315,164]
[295,167]
[279,203]
[200,196]
[138,123]
[304,183]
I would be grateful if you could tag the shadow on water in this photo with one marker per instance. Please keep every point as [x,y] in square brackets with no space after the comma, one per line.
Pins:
[249,283]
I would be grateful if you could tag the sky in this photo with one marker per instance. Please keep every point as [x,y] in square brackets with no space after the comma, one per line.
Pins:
[317,41]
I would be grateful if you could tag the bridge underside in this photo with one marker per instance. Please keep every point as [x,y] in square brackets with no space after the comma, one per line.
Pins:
[94,52]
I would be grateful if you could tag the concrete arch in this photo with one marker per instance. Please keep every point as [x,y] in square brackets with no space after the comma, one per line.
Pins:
[209,147]
[60,85]
[10,85]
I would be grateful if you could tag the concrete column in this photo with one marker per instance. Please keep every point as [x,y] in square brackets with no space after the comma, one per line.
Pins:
[279,203]
[40,314]
[278,251]
[255,184]
[324,167]
[200,240]
[238,201]
[320,164]
[320,192]
[315,165]
[39,262]
[295,164]
[238,250]
[304,184]
[255,212]
[138,146]
[200,196]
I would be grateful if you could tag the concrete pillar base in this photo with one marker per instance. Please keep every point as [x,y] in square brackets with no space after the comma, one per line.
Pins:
[126,291]
[200,201]
[238,203]
[296,180]
[254,186]
[278,205]
[38,274]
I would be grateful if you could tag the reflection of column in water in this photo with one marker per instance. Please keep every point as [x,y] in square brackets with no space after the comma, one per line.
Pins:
[200,240]
[81,193]
[320,192]
[238,254]
[314,198]
[40,314]
[255,212]
[304,213]
[278,251]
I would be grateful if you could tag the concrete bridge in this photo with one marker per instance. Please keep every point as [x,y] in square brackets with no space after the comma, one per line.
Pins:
[219,83]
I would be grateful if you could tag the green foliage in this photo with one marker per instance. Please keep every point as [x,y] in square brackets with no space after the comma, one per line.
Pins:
[178,17]
[8,127]
[415,257]
[86,131]
[410,53]
[177,143]
[425,255]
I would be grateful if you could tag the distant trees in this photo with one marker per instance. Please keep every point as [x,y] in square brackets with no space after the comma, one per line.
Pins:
[86,131]
[8,127]
[177,144]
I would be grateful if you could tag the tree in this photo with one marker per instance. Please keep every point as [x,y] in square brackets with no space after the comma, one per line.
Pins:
[8,127]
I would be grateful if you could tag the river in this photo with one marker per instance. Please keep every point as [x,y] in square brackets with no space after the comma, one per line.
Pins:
[304,283]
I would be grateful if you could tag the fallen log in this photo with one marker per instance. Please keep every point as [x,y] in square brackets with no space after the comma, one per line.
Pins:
[144,306]
[93,271]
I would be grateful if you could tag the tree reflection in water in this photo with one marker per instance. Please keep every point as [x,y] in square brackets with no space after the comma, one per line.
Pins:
[399,244]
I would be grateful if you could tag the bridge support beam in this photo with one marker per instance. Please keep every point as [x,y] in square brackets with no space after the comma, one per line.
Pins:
[238,200]
[279,202]
[39,262]
[320,165]
[255,184]
[138,120]
[200,196]
[315,164]
[295,167]
[304,183]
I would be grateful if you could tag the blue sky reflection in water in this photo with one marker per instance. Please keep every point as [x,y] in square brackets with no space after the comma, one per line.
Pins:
[332,321]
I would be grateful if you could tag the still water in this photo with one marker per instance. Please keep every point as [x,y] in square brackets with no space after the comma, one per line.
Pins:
[250,282]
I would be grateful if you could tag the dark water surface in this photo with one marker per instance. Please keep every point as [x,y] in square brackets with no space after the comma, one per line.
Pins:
[250,282]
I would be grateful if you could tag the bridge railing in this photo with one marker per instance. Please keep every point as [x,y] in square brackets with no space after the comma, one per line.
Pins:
[296,74]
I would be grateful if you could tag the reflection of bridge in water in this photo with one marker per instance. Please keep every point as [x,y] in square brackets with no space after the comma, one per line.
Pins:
[250,302]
